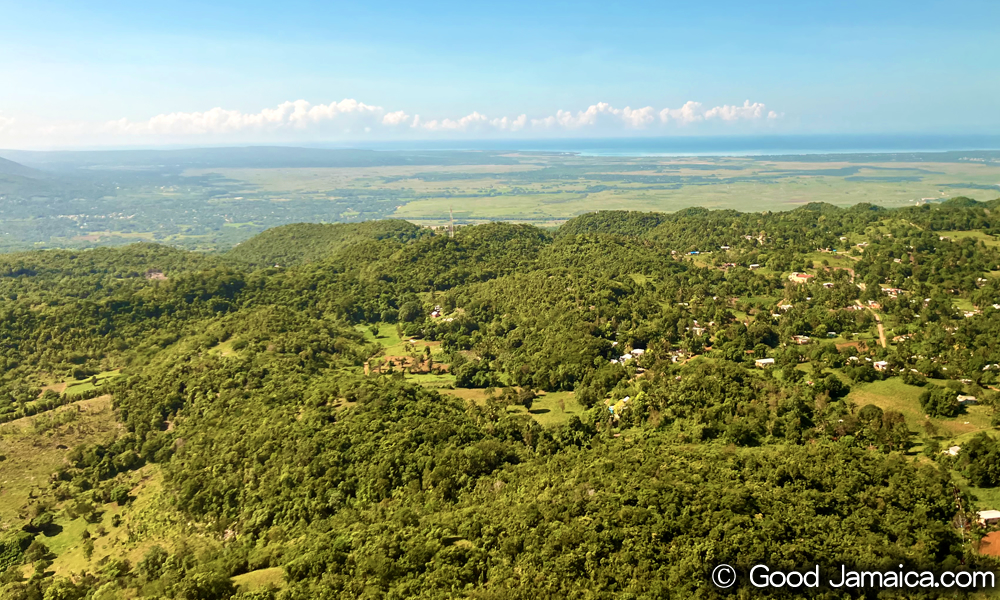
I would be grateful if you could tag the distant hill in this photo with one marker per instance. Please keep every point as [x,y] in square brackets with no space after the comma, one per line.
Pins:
[309,242]
[9,167]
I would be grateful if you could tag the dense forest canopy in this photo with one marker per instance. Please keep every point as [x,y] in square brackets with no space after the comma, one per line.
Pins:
[607,409]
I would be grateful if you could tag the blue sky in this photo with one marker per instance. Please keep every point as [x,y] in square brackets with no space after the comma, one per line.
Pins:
[151,72]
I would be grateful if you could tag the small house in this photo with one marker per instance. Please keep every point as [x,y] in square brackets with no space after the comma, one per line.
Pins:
[763,363]
[881,365]
[801,339]
[989,517]
[800,277]
[966,400]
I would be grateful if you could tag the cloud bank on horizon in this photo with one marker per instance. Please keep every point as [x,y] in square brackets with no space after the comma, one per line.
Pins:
[352,119]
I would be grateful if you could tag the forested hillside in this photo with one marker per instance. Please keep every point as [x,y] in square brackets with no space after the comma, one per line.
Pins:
[604,410]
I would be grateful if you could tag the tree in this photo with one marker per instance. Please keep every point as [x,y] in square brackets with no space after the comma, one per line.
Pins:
[940,402]
[981,457]
[527,397]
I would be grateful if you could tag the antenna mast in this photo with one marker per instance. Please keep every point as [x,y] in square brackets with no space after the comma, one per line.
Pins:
[451,228]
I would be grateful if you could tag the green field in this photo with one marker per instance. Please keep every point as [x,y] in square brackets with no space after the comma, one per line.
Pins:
[78,387]
[552,408]
[893,394]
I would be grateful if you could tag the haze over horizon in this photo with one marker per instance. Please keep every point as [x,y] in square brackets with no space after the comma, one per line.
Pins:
[121,75]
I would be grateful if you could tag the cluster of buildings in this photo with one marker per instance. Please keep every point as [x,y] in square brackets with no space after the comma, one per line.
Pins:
[624,358]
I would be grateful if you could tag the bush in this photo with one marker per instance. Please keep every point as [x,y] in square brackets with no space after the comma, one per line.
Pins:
[119,495]
[913,378]
[932,448]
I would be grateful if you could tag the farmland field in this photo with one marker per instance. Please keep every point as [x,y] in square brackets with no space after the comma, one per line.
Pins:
[206,207]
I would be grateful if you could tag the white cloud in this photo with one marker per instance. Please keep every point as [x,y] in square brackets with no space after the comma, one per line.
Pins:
[395,118]
[566,119]
[301,119]
[505,124]
[638,118]
[689,113]
[472,120]
[693,112]
[735,113]
[297,115]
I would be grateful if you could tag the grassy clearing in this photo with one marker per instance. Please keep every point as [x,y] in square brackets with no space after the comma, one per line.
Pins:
[432,380]
[893,394]
[248,582]
[394,345]
[984,498]
[550,409]
[32,456]
[148,520]
[35,447]
[76,387]
[224,349]
[981,236]
[387,335]
[477,395]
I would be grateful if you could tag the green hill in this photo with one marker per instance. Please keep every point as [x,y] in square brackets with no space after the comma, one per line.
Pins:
[309,242]
[506,413]
[9,167]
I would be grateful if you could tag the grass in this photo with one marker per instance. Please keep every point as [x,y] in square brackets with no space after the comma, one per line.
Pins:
[475,395]
[986,238]
[432,380]
[76,387]
[224,348]
[963,304]
[31,457]
[387,335]
[394,345]
[893,394]
[148,520]
[985,498]
[248,582]
[34,448]
[547,409]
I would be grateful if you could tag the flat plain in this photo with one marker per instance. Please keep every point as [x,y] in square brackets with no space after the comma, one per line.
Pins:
[207,207]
